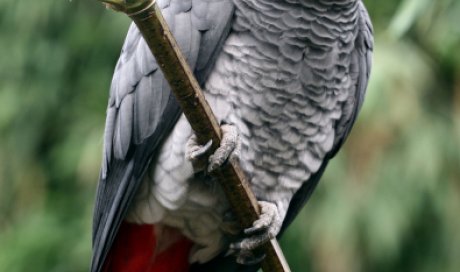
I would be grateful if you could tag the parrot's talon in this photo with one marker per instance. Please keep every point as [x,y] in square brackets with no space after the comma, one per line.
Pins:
[229,148]
[195,154]
[252,243]
[263,230]
[254,230]
[248,258]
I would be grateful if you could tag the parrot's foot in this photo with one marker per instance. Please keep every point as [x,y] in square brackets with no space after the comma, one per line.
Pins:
[229,148]
[265,228]
[247,257]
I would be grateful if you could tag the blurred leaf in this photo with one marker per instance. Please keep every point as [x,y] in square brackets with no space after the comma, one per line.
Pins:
[409,11]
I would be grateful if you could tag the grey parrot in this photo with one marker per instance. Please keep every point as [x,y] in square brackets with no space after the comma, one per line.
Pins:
[286,80]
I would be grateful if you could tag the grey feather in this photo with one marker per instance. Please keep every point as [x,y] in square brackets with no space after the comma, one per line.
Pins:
[123,128]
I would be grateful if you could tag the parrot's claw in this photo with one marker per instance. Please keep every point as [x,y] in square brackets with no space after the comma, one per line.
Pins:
[265,228]
[194,150]
[247,257]
[194,153]
[229,148]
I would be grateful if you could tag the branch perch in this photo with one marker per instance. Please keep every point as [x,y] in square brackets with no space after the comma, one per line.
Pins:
[148,18]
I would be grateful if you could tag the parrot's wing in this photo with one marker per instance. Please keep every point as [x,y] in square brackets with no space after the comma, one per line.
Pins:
[142,110]
[360,68]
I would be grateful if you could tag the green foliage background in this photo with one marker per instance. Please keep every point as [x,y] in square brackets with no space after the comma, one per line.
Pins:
[390,201]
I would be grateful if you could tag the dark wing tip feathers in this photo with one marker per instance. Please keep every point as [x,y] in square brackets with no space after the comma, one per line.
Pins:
[109,194]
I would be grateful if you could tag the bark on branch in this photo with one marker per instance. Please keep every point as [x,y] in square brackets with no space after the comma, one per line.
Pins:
[148,18]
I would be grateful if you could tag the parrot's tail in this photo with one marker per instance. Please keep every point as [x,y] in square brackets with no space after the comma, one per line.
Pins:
[148,248]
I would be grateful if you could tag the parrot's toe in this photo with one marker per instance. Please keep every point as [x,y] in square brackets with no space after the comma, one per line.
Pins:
[269,221]
[194,152]
[265,228]
[247,257]
[229,148]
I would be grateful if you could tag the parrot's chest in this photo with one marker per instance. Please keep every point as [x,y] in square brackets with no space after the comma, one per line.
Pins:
[270,82]
[282,78]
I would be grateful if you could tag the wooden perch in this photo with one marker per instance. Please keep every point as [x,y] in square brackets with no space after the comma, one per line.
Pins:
[148,18]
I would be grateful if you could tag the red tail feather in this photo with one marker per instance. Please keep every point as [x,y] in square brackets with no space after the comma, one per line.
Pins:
[148,248]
